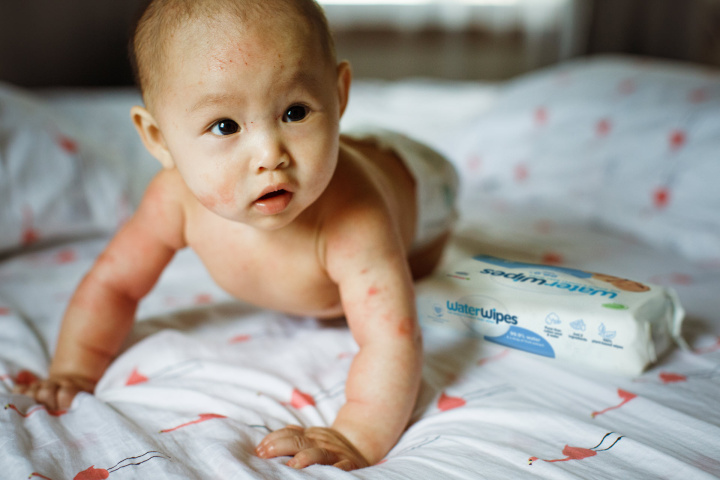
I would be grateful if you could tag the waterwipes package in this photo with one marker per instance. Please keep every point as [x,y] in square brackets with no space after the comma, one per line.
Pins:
[602,321]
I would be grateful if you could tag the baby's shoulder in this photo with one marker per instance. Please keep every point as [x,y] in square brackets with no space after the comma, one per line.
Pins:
[162,206]
[167,188]
[354,185]
[372,195]
[355,202]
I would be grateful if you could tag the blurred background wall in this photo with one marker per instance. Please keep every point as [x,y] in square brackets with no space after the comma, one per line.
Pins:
[84,42]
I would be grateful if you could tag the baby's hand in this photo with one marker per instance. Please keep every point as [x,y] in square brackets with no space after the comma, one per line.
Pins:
[57,392]
[308,446]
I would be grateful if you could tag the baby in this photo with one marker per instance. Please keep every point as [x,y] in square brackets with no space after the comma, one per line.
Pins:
[243,100]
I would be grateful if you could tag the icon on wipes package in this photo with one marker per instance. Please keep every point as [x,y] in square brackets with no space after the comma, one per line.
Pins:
[578,325]
[606,334]
[552,319]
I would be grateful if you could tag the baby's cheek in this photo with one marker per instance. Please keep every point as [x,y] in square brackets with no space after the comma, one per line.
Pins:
[208,200]
[223,194]
[226,193]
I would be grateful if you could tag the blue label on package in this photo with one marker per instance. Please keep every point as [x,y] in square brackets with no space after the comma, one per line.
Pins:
[524,339]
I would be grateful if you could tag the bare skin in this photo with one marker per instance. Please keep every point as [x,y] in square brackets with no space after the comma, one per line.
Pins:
[339,224]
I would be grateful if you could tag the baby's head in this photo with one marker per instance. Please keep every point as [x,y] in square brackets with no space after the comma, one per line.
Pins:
[243,98]
[160,25]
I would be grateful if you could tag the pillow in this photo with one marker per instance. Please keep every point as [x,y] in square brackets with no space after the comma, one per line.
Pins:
[633,144]
[55,183]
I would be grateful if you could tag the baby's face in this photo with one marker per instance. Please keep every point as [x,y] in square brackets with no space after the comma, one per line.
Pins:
[251,120]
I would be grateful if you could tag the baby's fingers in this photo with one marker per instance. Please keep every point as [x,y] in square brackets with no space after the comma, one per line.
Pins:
[45,392]
[313,456]
[286,441]
[347,465]
[66,393]
[55,395]
[311,446]
[21,389]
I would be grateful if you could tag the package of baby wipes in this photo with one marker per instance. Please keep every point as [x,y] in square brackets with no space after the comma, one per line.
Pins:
[602,321]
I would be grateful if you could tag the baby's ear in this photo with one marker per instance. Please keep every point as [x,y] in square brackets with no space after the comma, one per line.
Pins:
[344,79]
[151,135]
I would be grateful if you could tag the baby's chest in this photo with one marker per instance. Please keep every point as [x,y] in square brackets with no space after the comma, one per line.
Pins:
[277,274]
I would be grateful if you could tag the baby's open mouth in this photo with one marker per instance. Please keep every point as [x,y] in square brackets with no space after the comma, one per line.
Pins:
[270,195]
[274,202]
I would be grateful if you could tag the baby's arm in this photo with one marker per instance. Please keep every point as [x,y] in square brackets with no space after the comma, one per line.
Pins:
[102,310]
[365,256]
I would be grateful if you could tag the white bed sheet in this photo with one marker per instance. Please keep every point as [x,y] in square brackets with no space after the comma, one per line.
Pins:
[204,378]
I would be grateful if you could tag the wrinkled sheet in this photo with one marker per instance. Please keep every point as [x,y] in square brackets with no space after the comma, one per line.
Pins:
[203,378]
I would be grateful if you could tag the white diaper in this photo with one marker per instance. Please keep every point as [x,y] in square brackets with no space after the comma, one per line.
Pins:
[436,182]
[601,321]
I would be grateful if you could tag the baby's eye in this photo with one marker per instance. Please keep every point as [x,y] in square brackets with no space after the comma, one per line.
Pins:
[295,113]
[225,127]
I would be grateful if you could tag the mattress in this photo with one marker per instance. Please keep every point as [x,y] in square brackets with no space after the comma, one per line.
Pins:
[606,164]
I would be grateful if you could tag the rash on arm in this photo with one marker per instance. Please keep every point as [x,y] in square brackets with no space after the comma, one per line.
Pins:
[365,256]
[101,312]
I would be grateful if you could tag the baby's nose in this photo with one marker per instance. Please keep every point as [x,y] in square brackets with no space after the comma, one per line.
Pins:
[271,154]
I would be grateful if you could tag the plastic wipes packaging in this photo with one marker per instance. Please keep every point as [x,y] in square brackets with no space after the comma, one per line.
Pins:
[606,322]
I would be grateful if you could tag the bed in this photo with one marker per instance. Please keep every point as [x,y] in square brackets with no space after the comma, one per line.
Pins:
[607,164]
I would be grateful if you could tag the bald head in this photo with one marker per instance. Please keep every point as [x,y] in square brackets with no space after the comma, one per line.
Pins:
[163,22]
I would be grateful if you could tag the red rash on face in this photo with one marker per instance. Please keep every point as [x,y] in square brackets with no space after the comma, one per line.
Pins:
[372,291]
[208,200]
[245,56]
[223,196]
[227,194]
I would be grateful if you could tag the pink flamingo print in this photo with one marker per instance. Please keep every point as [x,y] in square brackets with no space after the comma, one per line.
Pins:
[709,349]
[29,234]
[66,255]
[300,399]
[579,453]
[173,371]
[93,473]
[67,144]
[39,408]
[677,139]
[540,116]
[661,197]
[667,378]
[447,402]
[135,378]
[627,86]
[25,377]
[493,358]
[203,417]
[240,338]
[603,127]
[624,395]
